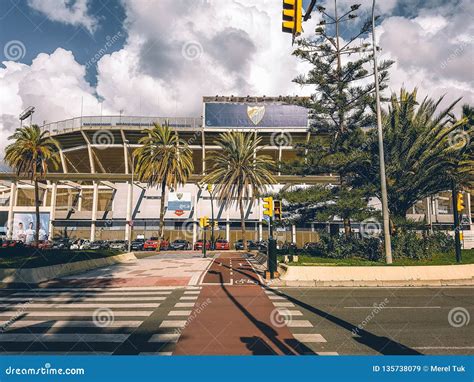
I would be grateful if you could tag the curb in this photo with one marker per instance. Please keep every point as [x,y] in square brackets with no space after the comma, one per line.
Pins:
[38,275]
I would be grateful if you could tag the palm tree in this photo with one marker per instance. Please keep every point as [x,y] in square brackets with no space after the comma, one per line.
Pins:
[238,172]
[31,154]
[163,161]
[424,150]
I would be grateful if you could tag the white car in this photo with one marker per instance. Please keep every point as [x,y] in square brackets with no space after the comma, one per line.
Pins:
[86,244]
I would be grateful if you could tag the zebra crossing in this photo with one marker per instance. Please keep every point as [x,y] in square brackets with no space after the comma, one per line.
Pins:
[302,329]
[142,320]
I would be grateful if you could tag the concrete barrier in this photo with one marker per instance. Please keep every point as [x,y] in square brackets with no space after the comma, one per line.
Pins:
[37,275]
[432,275]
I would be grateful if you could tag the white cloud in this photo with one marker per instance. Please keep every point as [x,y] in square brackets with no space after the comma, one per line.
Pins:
[240,51]
[53,83]
[73,12]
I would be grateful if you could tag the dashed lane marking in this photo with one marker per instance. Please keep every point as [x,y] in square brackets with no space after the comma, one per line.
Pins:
[173,324]
[310,337]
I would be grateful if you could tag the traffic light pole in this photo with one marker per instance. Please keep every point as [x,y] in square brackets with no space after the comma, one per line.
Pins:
[457,227]
[272,253]
[204,244]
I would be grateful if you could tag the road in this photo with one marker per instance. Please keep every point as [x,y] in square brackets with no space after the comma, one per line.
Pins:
[183,304]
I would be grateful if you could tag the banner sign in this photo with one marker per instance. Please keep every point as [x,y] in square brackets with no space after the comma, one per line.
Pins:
[221,114]
[24,226]
[179,201]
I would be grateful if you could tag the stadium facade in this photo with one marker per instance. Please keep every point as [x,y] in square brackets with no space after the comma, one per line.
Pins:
[94,193]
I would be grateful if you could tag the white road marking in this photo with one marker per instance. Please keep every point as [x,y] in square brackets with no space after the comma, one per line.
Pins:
[192,292]
[188,298]
[84,305]
[76,313]
[276,297]
[84,298]
[283,304]
[171,337]
[327,353]
[309,337]
[70,324]
[173,324]
[393,307]
[179,313]
[291,313]
[71,337]
[299,324]
[184,304]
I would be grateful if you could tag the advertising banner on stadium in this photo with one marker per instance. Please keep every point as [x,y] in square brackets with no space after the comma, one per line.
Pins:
[24,226]
[179,203]
[221,114]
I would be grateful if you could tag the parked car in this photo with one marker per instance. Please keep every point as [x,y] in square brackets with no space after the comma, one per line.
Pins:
[120,245]
[180,244]
[76,245]
[137,245]
[200,243]
[152,244]
[45,244]
[99,244]
[86,244]
[12,244]
[221,244]
[62,244]
[239,245]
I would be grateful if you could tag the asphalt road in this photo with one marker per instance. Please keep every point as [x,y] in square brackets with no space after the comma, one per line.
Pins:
[386,320]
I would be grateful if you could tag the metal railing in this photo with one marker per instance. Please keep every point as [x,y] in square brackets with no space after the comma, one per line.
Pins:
[107,122]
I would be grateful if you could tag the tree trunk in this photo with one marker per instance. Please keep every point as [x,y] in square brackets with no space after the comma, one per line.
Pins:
[242,224]
[347,227]
[162,214]
[37,212]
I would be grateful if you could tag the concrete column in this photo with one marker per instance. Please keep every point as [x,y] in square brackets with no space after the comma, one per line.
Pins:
[260,231]
[227,231]
[12,204]
[280,148]
[79,202]
[428,213]
[45,197]
[128,216]
[52,214]
[293,233]
[95,202]
[195,216]
[203,152]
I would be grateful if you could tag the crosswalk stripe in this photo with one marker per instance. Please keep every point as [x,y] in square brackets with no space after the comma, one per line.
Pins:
[179,313]
[108,289]
[189,298]
[275,297]
[164,337]
[73,299]
[285,312]
[83,305]
[77,313]
[310,337]
[299,324]
[91,294]
[283,304]
[172,324]
[184,305]
[192,292]
[70,324]
[327,353]
[72,337]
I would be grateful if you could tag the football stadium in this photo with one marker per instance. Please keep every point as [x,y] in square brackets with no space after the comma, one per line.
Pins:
[94,193]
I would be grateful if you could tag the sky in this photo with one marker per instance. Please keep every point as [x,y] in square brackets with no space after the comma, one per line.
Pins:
[160,57]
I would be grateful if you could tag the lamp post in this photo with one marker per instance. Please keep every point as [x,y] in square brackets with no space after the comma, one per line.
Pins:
[127,143]
[383,181]
[209,188]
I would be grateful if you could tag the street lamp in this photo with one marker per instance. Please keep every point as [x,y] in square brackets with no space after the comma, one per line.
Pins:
[383,181]
[209,189]
[130,206]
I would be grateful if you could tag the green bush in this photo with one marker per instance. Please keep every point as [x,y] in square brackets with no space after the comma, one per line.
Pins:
[342,247]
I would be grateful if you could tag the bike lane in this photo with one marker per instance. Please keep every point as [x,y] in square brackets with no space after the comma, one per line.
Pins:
[234,316]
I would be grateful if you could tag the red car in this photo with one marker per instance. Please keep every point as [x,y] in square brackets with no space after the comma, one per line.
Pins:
[12,244]
[199,244]
[152,244]
[222,244]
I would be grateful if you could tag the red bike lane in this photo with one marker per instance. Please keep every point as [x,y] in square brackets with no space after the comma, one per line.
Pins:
[234,316]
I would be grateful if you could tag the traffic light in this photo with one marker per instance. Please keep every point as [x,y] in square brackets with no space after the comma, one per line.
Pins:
[460,202]
[292,17]
[268,206]
[204,222]
[277,209]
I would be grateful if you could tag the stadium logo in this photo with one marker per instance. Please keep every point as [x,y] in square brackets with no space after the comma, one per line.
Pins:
[256,113]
